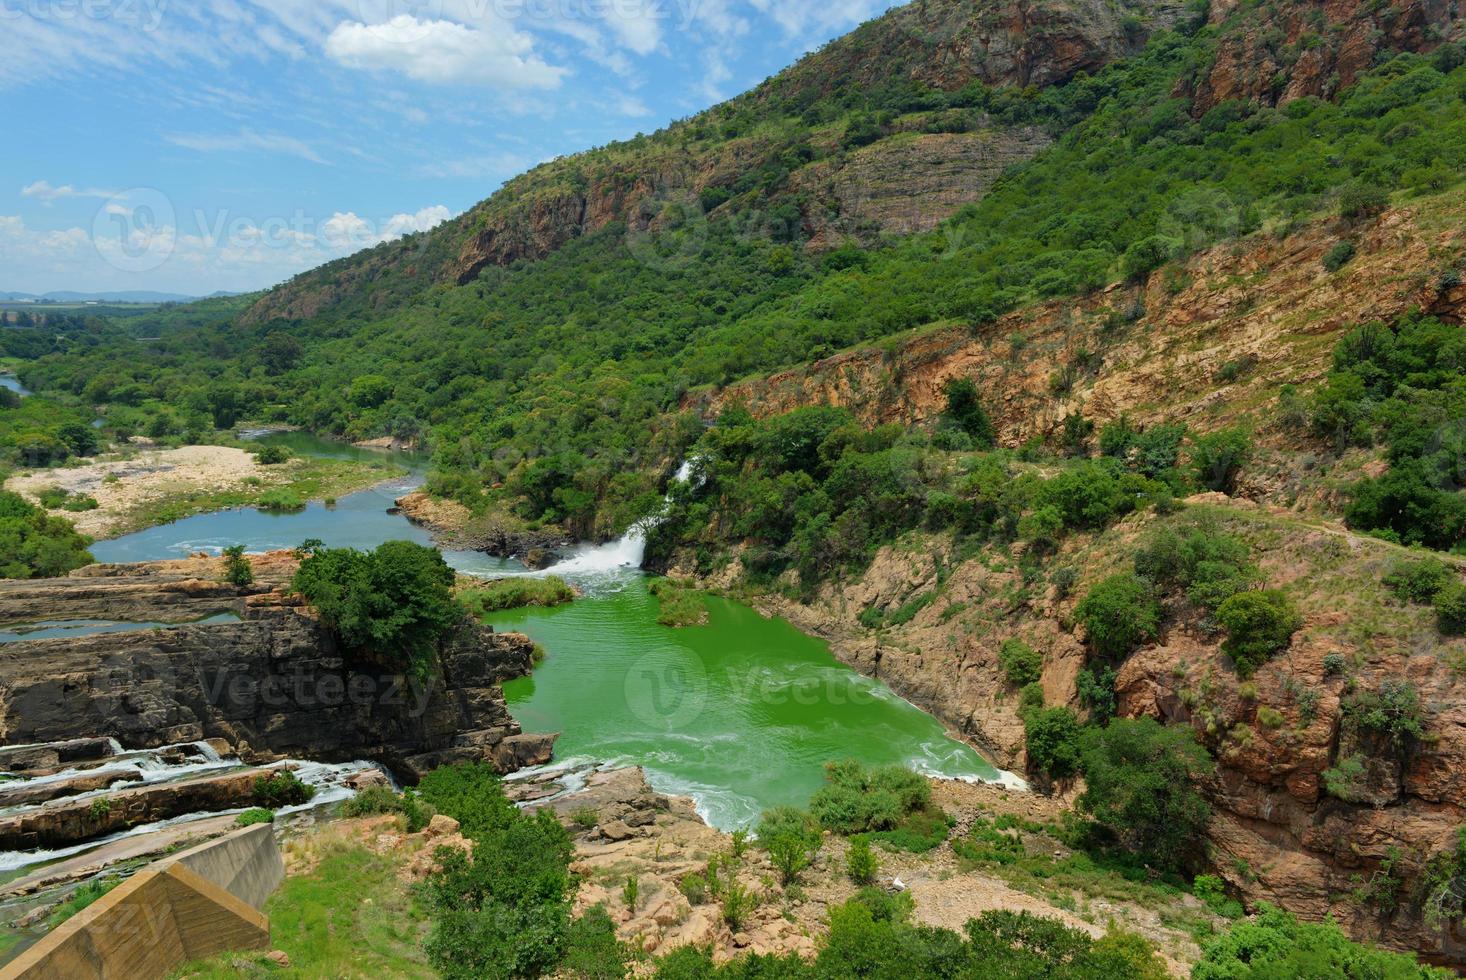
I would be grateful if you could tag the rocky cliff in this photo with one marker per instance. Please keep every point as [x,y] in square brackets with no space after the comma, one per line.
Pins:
[275,684]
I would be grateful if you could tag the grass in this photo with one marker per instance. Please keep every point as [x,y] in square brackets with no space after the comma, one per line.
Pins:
[349,918]
[516,593]
[81,898]
[679,604]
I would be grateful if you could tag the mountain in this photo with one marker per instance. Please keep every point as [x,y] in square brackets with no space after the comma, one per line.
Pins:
[118,296]
[1087,372]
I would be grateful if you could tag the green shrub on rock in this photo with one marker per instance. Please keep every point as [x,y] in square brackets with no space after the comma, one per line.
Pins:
[1021,664]
[1119,614]
[1259,626]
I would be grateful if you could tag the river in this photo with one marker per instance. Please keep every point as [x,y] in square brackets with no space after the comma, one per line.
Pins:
[740,714]
[13,383]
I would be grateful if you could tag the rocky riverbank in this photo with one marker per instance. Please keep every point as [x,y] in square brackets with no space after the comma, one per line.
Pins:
[454,526]
[272,685]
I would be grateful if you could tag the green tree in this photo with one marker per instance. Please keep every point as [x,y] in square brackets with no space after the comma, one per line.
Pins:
[965,411]
[1119,614]
[1259,626]
[1140,785]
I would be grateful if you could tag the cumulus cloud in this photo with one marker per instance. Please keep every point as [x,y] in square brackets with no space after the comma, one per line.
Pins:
[441,52]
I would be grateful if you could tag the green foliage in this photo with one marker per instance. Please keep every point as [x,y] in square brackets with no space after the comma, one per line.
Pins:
[678,605]
[861,863]
[1053,740]
[792,838]
[988,843]
[281,500]
[1450,608]
[592,951]
[391,606]
[377,800]
[1213,892]
[257,815]
[516,593]
[1393,713]
[1218,457]
[1119,614]
[1208,565]
[1021,664]
[1275,944]
[237,569]
[738,904]
[1339,256]
[856,799]
[1140,787]
[1419,579]
[964,410]
[631,892]
[271,455]
[281,789]
[34,544]
[1259,626]
[503,911]
[83,897]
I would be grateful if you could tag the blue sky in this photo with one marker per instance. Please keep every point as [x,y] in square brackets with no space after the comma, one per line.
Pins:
[199,145]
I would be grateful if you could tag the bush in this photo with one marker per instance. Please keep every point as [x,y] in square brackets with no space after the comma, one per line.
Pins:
[738,905]
[1450,608]
[1218,457]
[855,799]
[1021,664]
[258,815]
[592,951]
[1393,712]
[237,569]
[33,544]
[1210,566]
[391,606]
[1419,579]
[281,789]
[792,838]
[1139,778]
[378,800]
[517,593]
[271,455]
[1053,739]
[1119,614]
[281,500]
[861,864]
[1339,256]
[1359,199]
[1259,626]
[1276,944]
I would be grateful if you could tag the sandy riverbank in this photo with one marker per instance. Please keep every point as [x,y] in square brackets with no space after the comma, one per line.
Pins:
[155,486]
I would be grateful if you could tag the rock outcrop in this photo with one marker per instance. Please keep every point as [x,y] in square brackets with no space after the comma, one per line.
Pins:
[274,685]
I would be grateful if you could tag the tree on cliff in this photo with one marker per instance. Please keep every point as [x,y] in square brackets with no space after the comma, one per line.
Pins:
[391,605]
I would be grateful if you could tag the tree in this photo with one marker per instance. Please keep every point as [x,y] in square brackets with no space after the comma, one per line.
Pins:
[1139,777]
[392,605]
[964,409]
[1119,614]
[1259,626]
[34,544]
[1217,458]
[1053,739]
[1276,944]
[237,569]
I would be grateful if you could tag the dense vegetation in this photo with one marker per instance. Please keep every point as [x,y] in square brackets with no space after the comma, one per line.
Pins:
[556,378]
[35,545]
[390,606]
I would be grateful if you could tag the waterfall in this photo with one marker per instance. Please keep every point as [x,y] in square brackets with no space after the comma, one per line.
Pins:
[629,551]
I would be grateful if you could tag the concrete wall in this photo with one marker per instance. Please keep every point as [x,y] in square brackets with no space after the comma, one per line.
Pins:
[187,907]
[247,864]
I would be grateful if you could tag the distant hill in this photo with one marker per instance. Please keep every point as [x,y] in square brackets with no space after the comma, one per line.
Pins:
[120,296]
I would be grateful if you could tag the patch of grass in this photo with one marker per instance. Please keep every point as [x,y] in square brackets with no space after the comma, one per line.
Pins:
[350,917]
[680,605]
[516,593]
[258,815]
[81,899]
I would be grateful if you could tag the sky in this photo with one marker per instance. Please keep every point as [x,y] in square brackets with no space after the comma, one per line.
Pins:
[194,146]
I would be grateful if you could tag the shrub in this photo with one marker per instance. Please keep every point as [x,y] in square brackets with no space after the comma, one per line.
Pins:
[1393,712]
[1021,664]
[592,951]
[517,593]
[1450,608]
[1359,199]
[1269,717]
[695,886]
[1213,892]
[1259,625]
[855,799]
[281,789]
[1053,737]
[390,606]
[281,500]
[861,864]
[52,498]
[1210,566]
[1119,614]
[377,800]
[1334,664]
[792,838]
[1348,780]
[1419,579]
[237,569]
[1139,778]
[1276,944]
[1339,256]
[271,455]
[258,815]
[80,504]
[965,411]
[738,905]
[1218,457]
[33,544]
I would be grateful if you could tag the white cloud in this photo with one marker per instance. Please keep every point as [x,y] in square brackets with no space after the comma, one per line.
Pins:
[43,190]
[247,140]
[441,52]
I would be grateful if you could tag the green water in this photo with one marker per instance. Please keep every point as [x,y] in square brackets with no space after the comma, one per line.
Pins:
[741,714]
